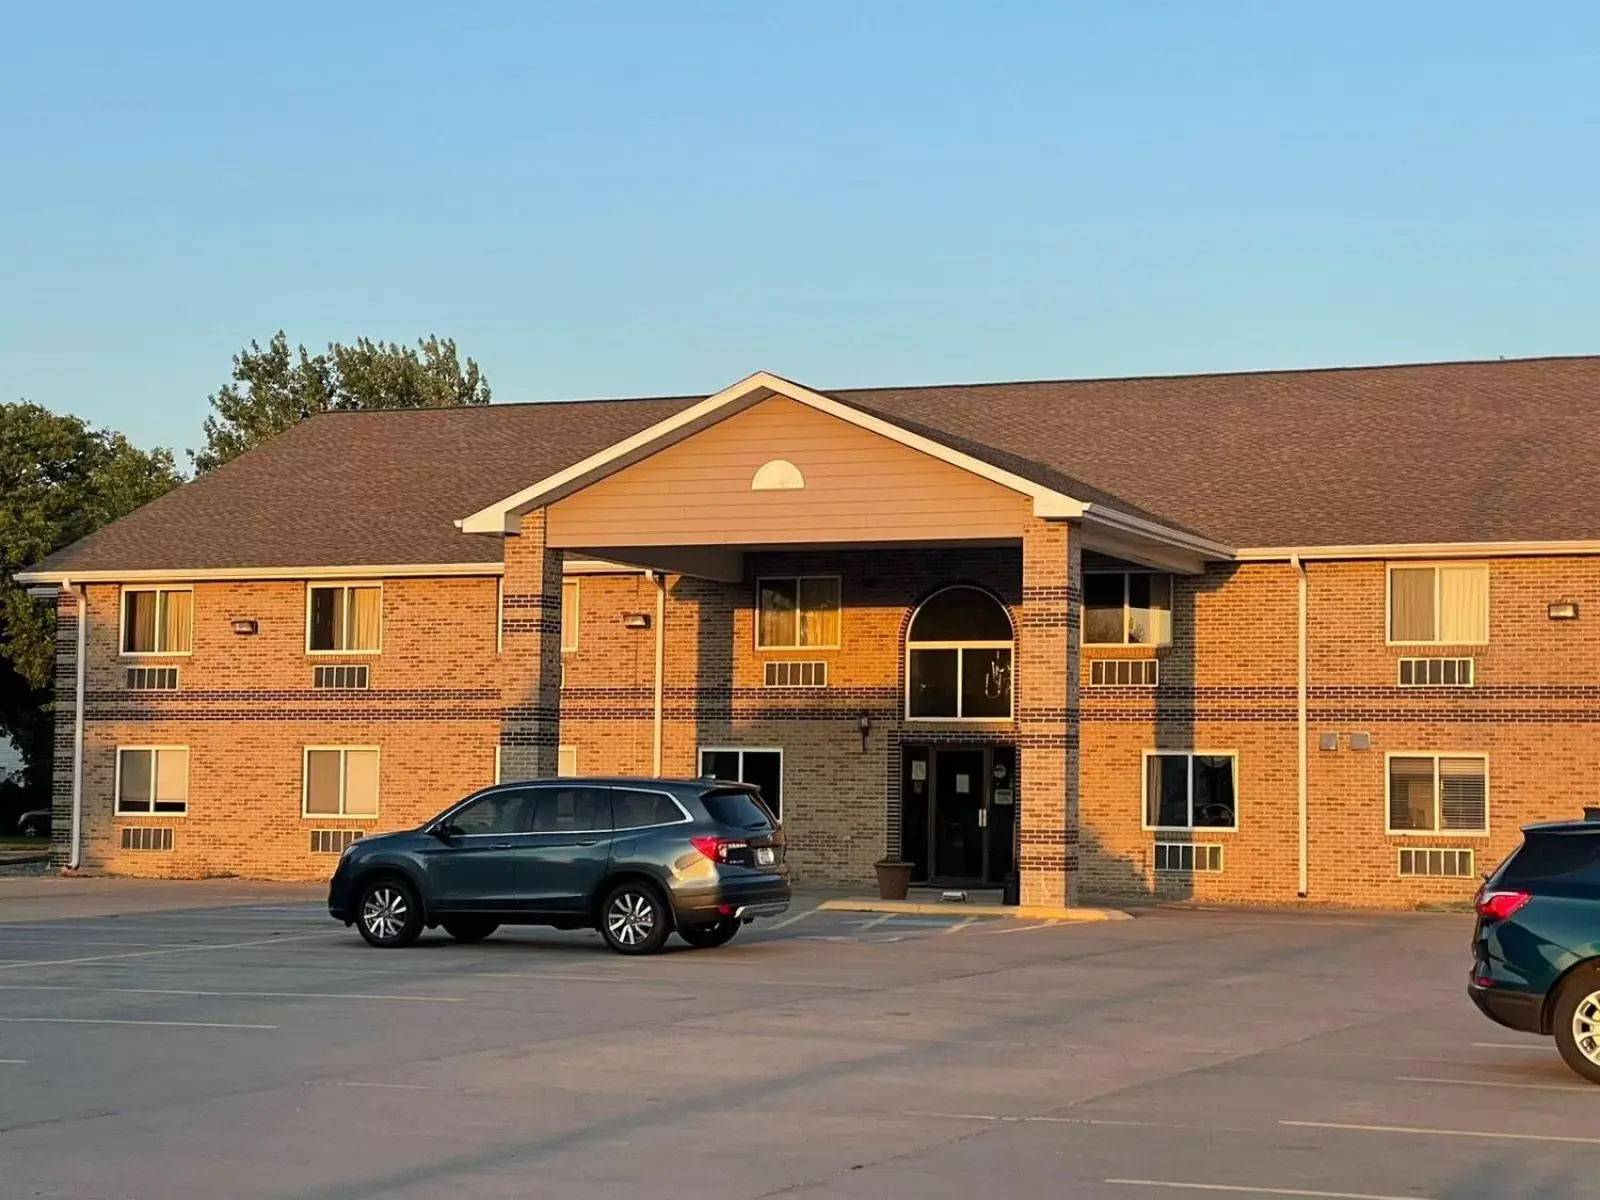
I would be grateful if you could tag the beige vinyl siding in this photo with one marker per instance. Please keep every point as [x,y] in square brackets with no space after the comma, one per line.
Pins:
[858,487]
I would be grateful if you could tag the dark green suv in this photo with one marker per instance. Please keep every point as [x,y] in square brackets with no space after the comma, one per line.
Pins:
[636,859]
[1536,949]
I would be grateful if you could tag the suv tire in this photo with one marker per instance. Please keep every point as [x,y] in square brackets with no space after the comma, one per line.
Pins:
[634,918]
[1577,1022]
[469,929]
[388,912]
[709,937]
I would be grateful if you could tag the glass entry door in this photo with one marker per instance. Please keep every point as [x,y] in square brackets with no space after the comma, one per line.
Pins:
[958,812]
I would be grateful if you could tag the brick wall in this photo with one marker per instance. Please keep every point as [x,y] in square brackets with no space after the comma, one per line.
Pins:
[442,698]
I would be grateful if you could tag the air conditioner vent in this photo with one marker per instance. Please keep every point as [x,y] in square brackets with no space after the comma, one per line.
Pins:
[150,679]
[1198,858]
[1447,864]
[344,678]
[332,841]
[794,673]
[1124,672]
[1436,672]
[147,837]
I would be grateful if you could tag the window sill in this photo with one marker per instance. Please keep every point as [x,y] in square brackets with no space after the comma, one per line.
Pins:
[305,816]
[952,720]
[1443,835]
[344,653]
[143,654]
[1435,645]
[149,816]
[1197,830]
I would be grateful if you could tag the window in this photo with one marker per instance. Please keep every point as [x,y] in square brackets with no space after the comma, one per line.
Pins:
[763,768]
[797,612]
[341,781]
[1189,790]
[1439,605]
[1431,793]
[153,779]
[569,615]
[498,812]
[1132,608]
[632,809]
[741,810]
[566,761]
[157,620]
[958,658]
[344,619]
[570,810]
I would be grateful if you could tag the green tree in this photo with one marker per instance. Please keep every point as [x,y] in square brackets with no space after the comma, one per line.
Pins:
[60,479]
[273,387]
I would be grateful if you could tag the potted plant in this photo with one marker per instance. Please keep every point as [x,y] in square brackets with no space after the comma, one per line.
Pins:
[894,878]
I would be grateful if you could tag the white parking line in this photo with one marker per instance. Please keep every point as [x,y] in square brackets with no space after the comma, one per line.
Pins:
[119,1021]
[1496,1083]
[1510,1045]
[1421,1131]
[133,991]
[788,921]
[1243,1190]
[961,926]
[1015,929]
[99,958]
[398,1087]
[863,926]
[13,1062]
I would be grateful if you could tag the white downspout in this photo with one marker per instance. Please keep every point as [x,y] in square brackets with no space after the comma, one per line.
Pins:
[1300,697]
[76,854]
[660,581]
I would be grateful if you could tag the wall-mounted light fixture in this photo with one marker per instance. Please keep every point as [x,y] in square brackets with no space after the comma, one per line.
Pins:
[864,727]
[636,620]
[1563,610]
[246,627]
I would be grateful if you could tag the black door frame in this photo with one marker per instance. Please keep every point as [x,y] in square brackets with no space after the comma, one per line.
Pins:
[929,801]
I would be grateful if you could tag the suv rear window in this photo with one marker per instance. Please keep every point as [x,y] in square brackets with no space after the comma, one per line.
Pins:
[1550,856]
[737,808]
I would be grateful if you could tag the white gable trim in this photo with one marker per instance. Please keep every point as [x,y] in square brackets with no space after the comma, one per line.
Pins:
[502,516]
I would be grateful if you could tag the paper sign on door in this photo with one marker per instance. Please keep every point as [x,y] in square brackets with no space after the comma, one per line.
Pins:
[963,784]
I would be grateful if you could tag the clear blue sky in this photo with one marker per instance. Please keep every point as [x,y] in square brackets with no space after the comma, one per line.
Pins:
[623,199]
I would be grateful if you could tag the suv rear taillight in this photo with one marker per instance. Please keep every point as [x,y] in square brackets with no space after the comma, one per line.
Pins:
[718,849]
[1497,906]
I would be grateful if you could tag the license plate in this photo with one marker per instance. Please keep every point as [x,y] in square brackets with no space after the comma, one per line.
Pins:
[766,856]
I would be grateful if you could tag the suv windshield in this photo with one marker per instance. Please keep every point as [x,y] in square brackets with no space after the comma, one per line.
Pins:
[737,808]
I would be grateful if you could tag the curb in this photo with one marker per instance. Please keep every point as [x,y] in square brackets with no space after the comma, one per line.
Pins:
[1026,912]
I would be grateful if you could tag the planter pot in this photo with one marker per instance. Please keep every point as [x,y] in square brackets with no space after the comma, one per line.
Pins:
[894,879]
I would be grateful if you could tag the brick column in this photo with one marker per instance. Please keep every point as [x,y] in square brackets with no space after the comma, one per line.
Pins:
[530,655]
[64,715]
[1047,712]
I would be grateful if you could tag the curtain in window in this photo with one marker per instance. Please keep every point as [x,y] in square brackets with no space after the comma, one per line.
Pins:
[139,622]
[1411,793]
[1463,794]
[133,787]
[778,624]
[819,612]
[1411,604]
[366,614]
[361,783]
[177,609]
[1464,604]
[322,782]
[172,780]
[1166,791]
[569,615]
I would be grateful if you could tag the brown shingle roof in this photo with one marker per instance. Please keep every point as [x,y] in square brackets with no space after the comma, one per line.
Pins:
[1452,452]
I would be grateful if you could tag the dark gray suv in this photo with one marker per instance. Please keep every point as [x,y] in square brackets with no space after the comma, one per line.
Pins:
[634,858]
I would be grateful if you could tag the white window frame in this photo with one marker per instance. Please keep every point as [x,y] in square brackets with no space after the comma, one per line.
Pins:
[116,793]
[1191,827]
[577,615]
[741,751]
[319,584]
[762,648]
[341,815]
[1127,610]
[1438,602]
[499,614]
[497,780]
[122,620]
[1438,830]
[961,663]
[572,774]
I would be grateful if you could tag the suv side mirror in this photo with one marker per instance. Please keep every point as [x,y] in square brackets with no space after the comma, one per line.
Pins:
[445,831]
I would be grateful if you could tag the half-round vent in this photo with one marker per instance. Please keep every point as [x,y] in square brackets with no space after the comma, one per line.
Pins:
[779,475]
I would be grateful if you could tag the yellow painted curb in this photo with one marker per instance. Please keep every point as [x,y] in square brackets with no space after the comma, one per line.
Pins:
[1026,912]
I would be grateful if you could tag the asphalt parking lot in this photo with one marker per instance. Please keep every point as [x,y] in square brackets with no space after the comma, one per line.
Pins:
[252,1048]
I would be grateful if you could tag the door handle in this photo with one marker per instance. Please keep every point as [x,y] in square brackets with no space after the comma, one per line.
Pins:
[983,818]
[590,842]
[502,845]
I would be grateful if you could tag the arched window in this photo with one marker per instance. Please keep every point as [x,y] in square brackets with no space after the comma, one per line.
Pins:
[958,658]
